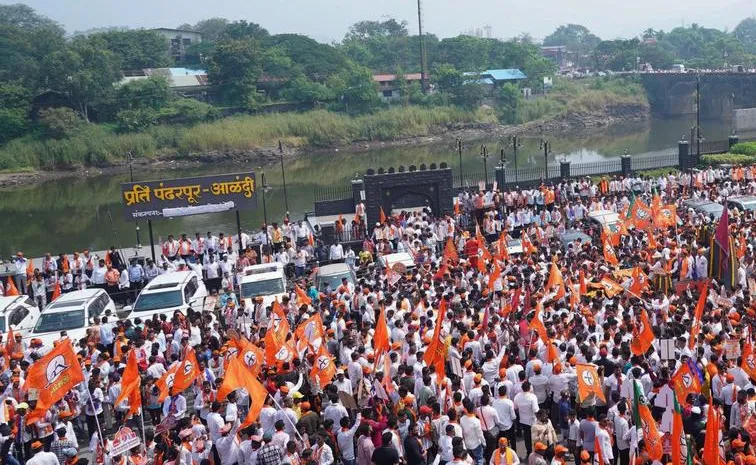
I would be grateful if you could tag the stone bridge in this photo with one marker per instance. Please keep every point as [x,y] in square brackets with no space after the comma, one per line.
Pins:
[674,94]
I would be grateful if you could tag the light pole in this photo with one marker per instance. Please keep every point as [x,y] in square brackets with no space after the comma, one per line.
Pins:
[283,177]
[514,140]
[459,151]
[484,156]
[130,161]
[546,146]
[265,188]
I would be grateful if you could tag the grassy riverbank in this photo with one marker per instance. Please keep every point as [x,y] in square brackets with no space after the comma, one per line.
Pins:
[100,145]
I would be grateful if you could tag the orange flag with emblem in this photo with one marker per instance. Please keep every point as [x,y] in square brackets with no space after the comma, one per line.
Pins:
[643,335]
[609,286]
[381,342]
[666,216]
[641,214]
[310,333]
[588,382]
[640,281]
[131,384]
[53,376]
[302,297]
[165,383]
[277,350]
[238,376]
[12,290]
[324,368]
[186,374]
[436,353]
[494,276]
[556,280]
[609,254]
[279,324]
[685,382]
[502,252]
[711,452]
[252,356]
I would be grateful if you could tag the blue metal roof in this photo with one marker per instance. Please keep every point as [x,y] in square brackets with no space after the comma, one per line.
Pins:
[186,72]
[505,74]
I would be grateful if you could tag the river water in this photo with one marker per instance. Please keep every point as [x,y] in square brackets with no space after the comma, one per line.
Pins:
[73,214]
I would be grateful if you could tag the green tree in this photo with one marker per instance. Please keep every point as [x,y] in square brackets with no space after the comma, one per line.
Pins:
[15,101]
[60,123]
[187,111]
[13,123]
[243,30]
[466,53]
[139,48]
[446,77]
[211,28]
[234,67]
[508,100]
[85,71]
[303,90]
[745,32]
[136,120]
[368,30]
[355,89]
[469,96]
[152,92]
[317,61]
[578,39]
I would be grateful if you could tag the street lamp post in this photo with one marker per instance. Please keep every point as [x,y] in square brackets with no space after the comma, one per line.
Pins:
[546,146]
[484,156]
[283,176]
[265,189]
[459,151]
[130,161]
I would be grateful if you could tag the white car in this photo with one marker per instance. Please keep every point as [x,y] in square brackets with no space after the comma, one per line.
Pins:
[72,312]
[178,290]
[19,312]
[267,281]
[389,260]
[605,219]
[330,276]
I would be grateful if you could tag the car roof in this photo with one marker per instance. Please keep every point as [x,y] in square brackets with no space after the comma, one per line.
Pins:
[742,198]
[334,268]
[84,294]
[169,280]
[7,301]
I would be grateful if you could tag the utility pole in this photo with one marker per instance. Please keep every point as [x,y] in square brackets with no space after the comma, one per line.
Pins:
[423,60]
[698,114]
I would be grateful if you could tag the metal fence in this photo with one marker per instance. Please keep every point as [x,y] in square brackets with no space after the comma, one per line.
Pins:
[710,146]
[323,194]
[470,181]
[658,160]
[596,167]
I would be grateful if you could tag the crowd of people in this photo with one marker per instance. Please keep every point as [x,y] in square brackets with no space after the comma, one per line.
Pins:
[630,344]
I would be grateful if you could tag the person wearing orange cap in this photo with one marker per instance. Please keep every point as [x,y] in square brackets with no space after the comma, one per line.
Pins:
[729,395]
[504,455]
[537,457]
[559,452]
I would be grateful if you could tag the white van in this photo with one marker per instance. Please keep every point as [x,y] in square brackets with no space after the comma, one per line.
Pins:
[405,258]
[178,290]
[72,312]
[605,219]
[267,281]
[19,312]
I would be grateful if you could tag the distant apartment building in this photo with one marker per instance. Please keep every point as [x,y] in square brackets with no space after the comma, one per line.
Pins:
[389,87]
[179,41]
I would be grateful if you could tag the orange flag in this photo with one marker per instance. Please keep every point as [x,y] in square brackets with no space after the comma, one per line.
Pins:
[536,324]
[12,290]
[310,240]
[450,252]
[502,252]
[599,452]
[556,280]
[686,382]
[277,350]
[609,254]
[552,352]
[381,216]
[749,361]
[252,356]
[711,453]
[30,269]
[165,383]
[609,286]
[666,216]
[436,352]
[53,376]
[302,297]
[583,282]
[324,369]
[310,333]
[381,342]
[494,276]
[279,324]
[651,435]
[640,214]
[643,335]
[696,325]
[456,207]
[639,283]
[56,292]
[186,374]
[237,376]
[588,382]
[131,385]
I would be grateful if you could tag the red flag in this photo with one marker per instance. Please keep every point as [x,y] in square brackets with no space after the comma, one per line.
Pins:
[52,376]
[442,270]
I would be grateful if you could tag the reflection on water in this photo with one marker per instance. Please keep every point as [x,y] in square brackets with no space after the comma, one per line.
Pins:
[70,214]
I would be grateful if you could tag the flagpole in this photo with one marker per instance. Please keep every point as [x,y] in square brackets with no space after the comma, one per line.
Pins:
[287,419]
[141,417]
[97,421]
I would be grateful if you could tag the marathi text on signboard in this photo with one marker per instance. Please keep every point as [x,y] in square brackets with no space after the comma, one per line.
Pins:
[188,196]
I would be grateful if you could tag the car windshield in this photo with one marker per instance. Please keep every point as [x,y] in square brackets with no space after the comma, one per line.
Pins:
[333,280]
[60,321]
[156,300]
[261,288]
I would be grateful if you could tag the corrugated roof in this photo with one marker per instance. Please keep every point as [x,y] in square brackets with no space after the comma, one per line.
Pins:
[186,72]
[392,77]
[505,74]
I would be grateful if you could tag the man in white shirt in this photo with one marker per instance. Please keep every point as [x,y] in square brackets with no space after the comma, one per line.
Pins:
[526,404]
[505,409]
[472,433]
[336,253]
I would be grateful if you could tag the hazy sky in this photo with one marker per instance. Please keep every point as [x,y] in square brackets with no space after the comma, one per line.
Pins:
[328,20]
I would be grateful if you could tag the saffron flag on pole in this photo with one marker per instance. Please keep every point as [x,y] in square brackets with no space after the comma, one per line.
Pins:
[640,214]
[277,350]
[302,297]
[56,291]
[324,369]
[278,324]
[609,254]
[186,374]
[643,335]
[685,382]
[749,361]
[639,282]
[381,216]
[711,454]
[436,353]
[165,383]
[381,341]
[556,281]
[252,356]
[450,252]
[645,421]
[310,333]
[494,276]
[52,376]
[695,327]
[588,382]
[679,440]
[666,217]
[610,287]
[131,384]
[536,324]
[236,377]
